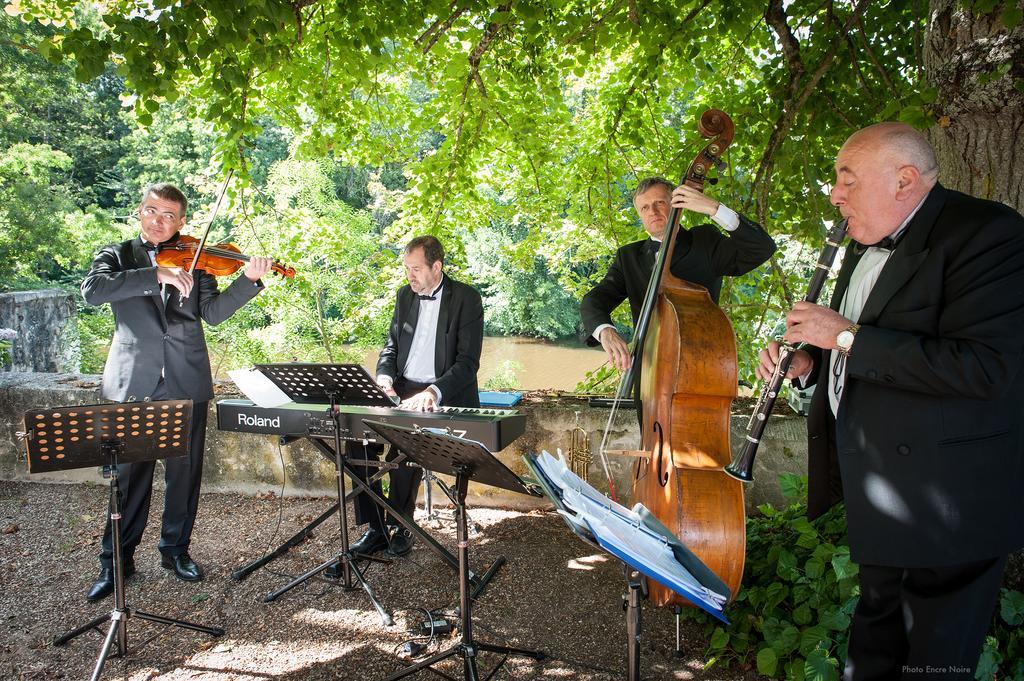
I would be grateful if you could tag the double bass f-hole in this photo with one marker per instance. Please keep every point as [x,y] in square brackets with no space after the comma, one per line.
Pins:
[658,453]
[660,446]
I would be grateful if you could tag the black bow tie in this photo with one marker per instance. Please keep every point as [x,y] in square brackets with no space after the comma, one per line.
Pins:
[652,246]
[887,244]
[432,296]
[156,247]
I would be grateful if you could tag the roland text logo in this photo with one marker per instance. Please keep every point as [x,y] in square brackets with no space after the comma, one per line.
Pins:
[258,421]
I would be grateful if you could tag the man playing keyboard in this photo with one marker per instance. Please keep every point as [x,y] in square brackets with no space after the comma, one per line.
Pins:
[430,359]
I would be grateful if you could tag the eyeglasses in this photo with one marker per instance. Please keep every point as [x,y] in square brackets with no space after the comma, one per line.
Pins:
[154,214]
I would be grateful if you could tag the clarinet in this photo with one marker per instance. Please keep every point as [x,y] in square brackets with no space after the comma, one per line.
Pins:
[742,467]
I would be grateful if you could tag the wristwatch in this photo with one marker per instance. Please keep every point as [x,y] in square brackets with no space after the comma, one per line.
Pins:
[844,340]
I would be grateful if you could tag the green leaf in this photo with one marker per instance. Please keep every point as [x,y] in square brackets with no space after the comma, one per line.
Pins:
[988,663]
[842,565]
[786,567]
[767,662]
[914,115]
[821,667]
[814,638]
[719,639]
[1011,16]
[835,620]
[786,641]
[1011,607]
[793,486]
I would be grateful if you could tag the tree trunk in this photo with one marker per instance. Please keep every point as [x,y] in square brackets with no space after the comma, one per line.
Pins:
[979,139]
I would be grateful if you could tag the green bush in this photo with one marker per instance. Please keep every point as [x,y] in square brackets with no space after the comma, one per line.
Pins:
[505,377]
[799,591]
[1003,654]
[792,615]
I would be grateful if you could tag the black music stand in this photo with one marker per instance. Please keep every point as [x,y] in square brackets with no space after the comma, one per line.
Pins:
[466,460]
[63,438]
[637,571]
[317,383]
[339,383]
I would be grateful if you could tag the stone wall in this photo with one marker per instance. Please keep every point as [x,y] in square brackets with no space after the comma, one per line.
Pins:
[46,324]
[257,463]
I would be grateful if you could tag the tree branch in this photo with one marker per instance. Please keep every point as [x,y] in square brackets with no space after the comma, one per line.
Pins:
[797,93]
[883,74]
[434,32]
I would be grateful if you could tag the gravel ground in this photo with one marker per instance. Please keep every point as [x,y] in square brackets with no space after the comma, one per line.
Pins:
[554,594]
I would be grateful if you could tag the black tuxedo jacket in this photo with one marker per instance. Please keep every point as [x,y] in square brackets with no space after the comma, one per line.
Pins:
[929,436]
[460,336]
[150,337]
[702,255]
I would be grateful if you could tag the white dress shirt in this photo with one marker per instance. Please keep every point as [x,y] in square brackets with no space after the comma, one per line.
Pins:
[419,366]
[862,281]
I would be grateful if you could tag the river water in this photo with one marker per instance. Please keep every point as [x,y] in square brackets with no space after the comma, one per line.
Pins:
[536,363]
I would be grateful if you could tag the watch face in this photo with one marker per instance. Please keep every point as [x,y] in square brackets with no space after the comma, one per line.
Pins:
[844,340]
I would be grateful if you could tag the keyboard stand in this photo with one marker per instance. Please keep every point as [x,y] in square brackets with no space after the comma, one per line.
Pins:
[478,582]
[307,531]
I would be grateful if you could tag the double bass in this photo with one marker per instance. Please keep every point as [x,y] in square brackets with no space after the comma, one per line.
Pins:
[684,379]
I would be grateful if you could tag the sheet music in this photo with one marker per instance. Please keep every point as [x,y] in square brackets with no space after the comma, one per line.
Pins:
[258,388]
[623,532]
[559,473]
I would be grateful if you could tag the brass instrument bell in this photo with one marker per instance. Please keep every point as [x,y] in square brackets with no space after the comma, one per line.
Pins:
[579,450]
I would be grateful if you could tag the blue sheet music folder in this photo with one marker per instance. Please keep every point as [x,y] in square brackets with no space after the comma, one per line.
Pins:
[634,536]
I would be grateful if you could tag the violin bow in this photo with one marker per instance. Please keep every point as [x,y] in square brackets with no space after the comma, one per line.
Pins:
[206,232]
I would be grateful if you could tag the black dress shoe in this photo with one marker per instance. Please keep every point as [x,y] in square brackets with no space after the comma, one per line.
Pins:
[104,584]
[401,542]
[370,543]
[184,567]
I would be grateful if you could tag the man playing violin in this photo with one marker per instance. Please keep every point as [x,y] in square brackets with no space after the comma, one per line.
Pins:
[916,417]
[430,359]
[702,255]
[159,352]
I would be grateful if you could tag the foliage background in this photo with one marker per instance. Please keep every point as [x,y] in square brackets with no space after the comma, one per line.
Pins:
[514,131]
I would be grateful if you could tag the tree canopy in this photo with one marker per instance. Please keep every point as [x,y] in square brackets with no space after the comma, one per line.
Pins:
[530,118]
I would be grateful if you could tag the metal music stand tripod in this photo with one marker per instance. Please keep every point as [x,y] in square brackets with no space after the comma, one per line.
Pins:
[63,438]
[352,385]
[466,460]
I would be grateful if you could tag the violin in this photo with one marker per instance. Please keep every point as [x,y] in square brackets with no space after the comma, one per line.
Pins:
[219,261]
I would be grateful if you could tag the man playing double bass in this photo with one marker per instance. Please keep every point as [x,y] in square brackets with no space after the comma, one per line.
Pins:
[702,255]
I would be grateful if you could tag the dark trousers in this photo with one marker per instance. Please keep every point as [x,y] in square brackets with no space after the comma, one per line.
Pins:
[404,481]
[922,623]
[181,501]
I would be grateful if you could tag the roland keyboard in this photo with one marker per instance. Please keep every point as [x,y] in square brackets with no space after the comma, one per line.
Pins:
[493,428]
